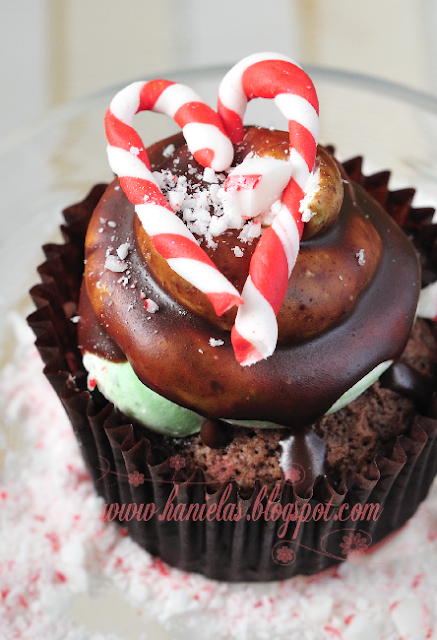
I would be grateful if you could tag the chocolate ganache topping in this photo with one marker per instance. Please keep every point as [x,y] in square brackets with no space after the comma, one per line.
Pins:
[350,302]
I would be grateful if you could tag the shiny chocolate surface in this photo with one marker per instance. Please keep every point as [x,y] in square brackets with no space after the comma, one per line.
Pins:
[342,316]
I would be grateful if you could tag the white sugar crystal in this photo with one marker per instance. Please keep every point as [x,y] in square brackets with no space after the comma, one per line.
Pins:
[189,215]
[175,199]
[318,609]
[168,151]
[251,230]
[112,224]
[361,628]
[238,252]
[209,175]
[151,305]
[134,151]
[215,343]
[217,225]
[216,194]
[113,263]
[49,494]
[311,190]
[160,179]
[361,258]
[408,615]
[123,250]
[75,319]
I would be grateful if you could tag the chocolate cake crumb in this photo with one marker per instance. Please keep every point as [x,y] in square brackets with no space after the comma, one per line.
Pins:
[420,352]
[366,427]
[354,435]
[369,425]
[252,454]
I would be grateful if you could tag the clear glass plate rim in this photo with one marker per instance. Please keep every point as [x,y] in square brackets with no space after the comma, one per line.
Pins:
[368,83]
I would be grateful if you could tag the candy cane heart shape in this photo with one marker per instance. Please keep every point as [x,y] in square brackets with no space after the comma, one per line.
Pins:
[210,145]
[269,75]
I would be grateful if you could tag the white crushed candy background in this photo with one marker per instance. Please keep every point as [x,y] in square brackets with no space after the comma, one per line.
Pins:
[53,546]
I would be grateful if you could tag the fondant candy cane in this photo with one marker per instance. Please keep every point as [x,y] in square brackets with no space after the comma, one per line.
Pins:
[211,147]
[269,75]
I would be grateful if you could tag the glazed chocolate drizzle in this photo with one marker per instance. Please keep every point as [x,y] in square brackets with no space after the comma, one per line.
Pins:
[303,459]
[296,385]
[410,383]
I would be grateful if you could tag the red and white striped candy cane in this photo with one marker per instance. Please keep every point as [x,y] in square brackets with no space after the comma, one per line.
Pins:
[211,147]
[270,75]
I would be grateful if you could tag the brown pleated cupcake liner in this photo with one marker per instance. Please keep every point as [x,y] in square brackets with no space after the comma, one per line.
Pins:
[200,532]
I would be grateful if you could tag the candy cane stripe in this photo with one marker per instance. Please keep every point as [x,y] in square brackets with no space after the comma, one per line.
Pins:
[288,232]
[300,172]
[126,103]
[297,109]
[255,332]
[206,139]
[247,352]
[122,136]
[157,220]
[303,143]
[205,145]
[275,77]
[271,253]
[151,92]
[198,112]
[232,102]
[223,301]
[174,98]
[269,78]
[139,191]
[207,278]
[171,245]
[125,163]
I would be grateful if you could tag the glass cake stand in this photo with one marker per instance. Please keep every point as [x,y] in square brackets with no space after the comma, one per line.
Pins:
[54,162]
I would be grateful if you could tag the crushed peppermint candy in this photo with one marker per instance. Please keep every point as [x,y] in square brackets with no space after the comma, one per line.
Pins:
[169,151]
[55,553]
[238,252]
[209,175]
[123,250]
[250,231]
[312,186]
[113,263]
[151,305]
[201,206]
[215,343]
[360,256]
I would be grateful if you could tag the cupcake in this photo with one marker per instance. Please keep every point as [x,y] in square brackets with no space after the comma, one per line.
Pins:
[241,359]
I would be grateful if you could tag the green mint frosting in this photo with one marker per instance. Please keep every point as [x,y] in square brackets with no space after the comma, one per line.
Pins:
[119,384]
